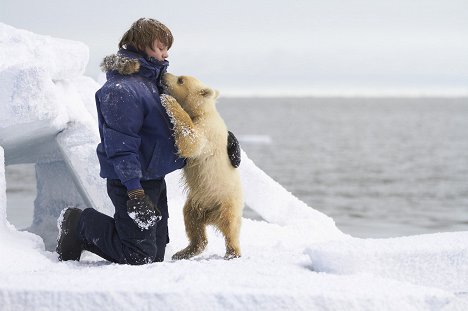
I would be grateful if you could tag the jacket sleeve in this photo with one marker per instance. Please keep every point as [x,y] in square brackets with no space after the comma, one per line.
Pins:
[123,116]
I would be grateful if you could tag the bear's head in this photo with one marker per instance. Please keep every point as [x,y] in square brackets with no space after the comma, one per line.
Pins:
[193,96]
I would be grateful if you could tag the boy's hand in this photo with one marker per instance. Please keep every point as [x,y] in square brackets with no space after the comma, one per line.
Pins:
[233,150]
[141,210]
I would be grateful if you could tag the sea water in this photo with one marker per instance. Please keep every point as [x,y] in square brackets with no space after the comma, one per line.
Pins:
[380,167]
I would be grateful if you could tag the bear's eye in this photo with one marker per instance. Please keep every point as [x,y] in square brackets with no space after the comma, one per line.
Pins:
[180,80]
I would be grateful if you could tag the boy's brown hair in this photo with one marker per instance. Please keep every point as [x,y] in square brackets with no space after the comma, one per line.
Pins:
[143,32]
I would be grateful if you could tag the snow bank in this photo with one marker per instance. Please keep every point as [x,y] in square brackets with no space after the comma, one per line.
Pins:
[48,117]
[438,260]
[297,259]
[276,205]
[33,70]
[60,58]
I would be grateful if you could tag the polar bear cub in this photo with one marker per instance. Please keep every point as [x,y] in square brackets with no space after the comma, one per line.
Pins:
[214,189]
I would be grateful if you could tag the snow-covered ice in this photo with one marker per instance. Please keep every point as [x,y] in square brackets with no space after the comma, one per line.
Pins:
[424,260]
[296,259]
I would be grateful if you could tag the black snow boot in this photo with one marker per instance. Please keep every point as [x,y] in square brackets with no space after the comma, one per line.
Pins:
[69,246]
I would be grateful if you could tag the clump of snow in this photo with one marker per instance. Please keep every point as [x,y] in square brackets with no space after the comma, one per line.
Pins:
[144,220]
[296,259]
[60,223]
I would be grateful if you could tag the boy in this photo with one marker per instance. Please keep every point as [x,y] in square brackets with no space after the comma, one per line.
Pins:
[137,150]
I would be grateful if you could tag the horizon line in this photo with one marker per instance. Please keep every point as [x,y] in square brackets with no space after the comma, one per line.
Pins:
[345,94]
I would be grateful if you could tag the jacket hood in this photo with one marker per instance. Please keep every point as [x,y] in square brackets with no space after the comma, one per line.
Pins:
[127,62]
[121,64]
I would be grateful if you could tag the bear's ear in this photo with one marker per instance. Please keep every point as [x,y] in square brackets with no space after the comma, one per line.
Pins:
[216,94]
[206,92]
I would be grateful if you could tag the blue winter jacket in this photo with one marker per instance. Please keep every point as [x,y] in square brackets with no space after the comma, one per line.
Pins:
[136,139]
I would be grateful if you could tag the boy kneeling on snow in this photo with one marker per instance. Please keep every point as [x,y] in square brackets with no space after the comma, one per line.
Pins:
[137,150]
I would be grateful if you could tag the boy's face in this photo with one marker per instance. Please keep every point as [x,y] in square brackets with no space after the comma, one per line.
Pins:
[159,51]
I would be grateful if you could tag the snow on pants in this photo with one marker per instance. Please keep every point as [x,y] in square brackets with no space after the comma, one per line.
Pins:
[119,239]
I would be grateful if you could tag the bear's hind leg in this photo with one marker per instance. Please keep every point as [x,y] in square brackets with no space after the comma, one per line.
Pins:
[195,227]
[229,224]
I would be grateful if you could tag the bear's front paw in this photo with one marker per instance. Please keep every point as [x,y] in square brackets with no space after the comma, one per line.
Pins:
[170,104]
[167,100]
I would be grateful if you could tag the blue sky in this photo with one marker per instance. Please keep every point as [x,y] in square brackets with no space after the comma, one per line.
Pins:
[277,47]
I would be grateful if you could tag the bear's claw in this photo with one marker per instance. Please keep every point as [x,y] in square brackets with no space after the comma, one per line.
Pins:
[183,255]
[188,252]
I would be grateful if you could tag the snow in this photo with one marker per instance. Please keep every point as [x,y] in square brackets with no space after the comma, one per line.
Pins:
[424,260]
[144,220]
[3,202]
[296,259]
[61,59]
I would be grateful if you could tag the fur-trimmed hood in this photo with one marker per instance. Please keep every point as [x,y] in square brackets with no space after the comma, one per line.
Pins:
[127,62]
[121,64]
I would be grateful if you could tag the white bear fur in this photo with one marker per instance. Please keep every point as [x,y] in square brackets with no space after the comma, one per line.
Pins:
[213,184]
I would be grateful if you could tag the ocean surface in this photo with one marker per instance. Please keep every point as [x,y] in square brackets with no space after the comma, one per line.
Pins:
[380,167]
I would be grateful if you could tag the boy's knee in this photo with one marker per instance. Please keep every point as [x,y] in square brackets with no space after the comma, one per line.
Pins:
[140,257]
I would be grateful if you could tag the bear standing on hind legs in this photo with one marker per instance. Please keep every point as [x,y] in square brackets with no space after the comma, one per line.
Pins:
[213,184]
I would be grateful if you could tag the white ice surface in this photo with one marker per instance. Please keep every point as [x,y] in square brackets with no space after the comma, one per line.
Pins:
[296,260]
[437,260]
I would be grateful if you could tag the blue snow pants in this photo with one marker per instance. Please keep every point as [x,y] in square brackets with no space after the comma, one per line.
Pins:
[119,239]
